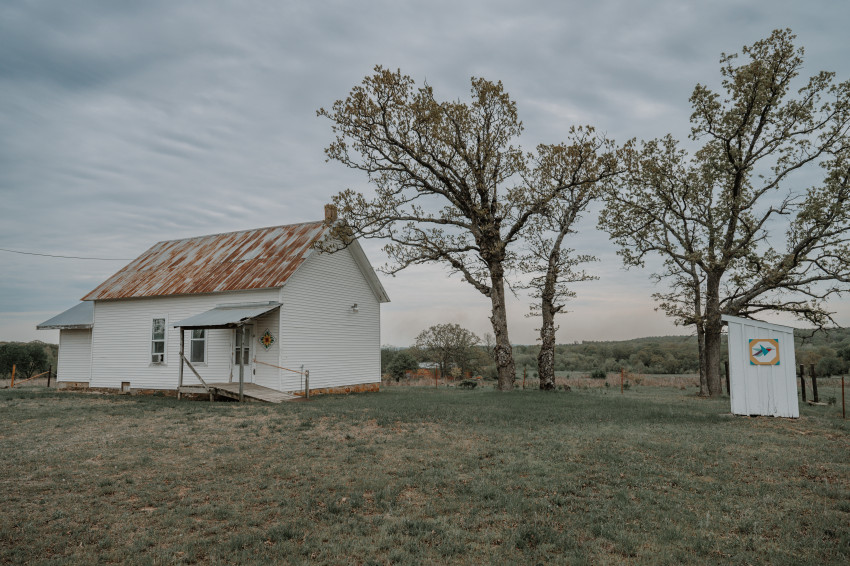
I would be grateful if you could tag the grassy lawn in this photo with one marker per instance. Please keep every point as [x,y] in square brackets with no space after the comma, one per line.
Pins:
[421,476]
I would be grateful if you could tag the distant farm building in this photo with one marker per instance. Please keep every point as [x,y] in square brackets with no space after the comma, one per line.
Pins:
[296,306]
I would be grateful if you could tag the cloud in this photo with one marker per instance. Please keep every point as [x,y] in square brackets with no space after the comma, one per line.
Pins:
[129,123]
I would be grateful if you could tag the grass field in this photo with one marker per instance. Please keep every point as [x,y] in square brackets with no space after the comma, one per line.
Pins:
[421,476]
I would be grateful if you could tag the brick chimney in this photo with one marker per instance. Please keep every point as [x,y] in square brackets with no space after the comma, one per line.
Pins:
[330,214]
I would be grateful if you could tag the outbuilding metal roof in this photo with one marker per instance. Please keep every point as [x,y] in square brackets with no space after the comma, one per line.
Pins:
[79,316]
[251,259]
[226,316]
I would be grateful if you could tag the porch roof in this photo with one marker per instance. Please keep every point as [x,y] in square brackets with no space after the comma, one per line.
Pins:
[227,315]
[80,316]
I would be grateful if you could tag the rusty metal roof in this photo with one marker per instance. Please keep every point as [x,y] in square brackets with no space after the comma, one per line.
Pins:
[251,259]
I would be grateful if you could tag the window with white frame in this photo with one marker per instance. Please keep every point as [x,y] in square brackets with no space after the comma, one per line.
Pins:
[158,341]
[198,346]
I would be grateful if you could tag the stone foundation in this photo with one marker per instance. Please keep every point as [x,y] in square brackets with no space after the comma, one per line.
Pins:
[342,390]
[72,385]
[165,392]
[84,386]
[359,388]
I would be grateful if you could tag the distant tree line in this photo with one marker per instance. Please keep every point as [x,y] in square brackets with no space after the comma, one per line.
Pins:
[29,359]
[828,351]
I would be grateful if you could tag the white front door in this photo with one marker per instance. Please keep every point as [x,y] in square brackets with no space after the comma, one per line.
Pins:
[245,352]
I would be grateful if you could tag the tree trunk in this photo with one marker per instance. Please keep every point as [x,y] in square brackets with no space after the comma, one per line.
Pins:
[713,326]
[499,318]
[703,378]
[712,361]
[546,357]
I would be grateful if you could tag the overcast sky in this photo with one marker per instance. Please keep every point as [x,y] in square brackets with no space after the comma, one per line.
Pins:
[126,123]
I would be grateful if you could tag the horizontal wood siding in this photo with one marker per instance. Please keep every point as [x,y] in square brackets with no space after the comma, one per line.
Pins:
[319,329]
[74,363]
[121,340]
[266,375]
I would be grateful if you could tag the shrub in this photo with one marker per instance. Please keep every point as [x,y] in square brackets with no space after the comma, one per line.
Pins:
[401,363]
[830,366]
[599,374]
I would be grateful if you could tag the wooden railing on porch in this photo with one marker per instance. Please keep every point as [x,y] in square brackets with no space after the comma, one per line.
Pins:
[305,373]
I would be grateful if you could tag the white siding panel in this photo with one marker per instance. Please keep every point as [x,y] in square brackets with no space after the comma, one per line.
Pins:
[737,356]
[761,389]
[74,363]
[121,340]
[266,375]
[319,329]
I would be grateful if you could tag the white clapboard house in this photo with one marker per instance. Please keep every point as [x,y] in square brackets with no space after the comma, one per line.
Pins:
[296,306]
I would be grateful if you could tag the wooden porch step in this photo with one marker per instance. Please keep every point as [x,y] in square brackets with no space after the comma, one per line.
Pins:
[251,392]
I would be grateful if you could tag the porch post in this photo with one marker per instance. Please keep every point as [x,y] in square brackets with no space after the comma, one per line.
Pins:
[180,374]
[241,361]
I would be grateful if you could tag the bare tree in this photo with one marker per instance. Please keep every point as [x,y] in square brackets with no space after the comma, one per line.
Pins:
[736,236]
[553,266]
[449,185]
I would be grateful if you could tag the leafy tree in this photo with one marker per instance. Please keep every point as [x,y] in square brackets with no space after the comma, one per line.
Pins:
[482,363]
[555,267]
[448,345]
[402,362]
[830,366]
[716,218]
[450,186]
[29,359]
[387,355]
[10,353]
[489,346]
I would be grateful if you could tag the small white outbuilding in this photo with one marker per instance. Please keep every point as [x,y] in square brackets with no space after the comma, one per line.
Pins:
[762,375]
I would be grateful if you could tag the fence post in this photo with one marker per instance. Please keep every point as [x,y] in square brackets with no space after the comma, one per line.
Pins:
[13,375]
[728,390]
[241,334]
[814,384]
[49,371]
[803,381]
[180,371]
[843,411]
[307,384]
